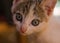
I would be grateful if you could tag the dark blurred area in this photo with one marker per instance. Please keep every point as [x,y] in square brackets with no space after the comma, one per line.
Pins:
[5,11]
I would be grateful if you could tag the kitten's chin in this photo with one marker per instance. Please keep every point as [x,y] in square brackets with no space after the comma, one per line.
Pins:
[25,34]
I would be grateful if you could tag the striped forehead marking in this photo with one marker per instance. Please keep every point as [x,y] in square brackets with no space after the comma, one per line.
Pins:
[24,7]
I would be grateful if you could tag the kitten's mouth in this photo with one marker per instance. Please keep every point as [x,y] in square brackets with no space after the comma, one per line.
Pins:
[22,33]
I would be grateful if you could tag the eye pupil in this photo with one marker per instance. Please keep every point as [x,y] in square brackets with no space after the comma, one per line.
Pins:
[35,22]
[19,17]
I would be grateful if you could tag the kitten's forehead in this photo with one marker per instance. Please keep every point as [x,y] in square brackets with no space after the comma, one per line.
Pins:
[32,0]
[25,5]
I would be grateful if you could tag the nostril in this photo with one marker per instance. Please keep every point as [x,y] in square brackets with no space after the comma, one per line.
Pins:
[23,29]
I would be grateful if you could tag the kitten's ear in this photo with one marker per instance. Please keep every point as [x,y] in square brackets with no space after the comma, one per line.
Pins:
[49,6]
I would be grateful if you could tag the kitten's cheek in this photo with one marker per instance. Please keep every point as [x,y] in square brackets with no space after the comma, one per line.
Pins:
[23,30]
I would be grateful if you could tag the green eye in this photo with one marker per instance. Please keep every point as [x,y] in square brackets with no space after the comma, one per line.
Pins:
[19,17]
[35,22]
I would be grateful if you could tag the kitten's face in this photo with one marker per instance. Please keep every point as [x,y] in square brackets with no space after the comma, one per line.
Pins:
[29,17]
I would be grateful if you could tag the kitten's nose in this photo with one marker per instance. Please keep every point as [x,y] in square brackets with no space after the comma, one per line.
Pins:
[23,29]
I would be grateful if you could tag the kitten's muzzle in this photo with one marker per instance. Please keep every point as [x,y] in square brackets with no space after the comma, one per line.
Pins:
[23,29]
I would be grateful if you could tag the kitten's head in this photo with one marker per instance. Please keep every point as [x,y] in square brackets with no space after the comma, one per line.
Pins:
[31,16]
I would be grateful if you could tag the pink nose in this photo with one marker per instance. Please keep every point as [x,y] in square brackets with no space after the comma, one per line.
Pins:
[23,29]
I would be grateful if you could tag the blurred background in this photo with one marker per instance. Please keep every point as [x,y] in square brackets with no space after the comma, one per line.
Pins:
[57,9]
[5,11]
[6,22]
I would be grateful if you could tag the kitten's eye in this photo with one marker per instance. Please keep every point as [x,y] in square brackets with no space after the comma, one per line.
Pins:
[19,17]
[35,22]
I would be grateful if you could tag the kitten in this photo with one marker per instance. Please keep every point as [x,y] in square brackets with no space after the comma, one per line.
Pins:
[34,19]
